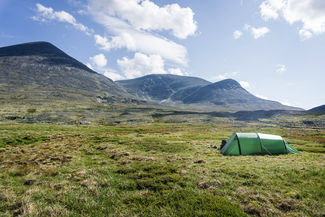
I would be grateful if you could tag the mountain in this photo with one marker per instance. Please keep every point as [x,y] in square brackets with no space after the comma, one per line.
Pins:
[158,87]
[39,70]
[182,90]
[317,110]
[230,92]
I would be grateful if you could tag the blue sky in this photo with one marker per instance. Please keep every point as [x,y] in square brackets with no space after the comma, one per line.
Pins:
[274,48]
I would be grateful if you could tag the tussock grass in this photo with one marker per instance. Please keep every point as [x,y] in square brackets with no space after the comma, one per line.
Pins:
[155,170]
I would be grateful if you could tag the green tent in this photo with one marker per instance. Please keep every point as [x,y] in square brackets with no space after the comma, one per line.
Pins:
[256,144]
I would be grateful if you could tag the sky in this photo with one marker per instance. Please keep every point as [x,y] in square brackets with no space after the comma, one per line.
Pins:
[274,48]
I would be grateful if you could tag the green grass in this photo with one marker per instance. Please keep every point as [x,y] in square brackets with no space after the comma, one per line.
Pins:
[155,170]
[14,140]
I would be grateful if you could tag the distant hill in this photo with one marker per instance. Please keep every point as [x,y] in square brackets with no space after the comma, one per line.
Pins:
[39,70]
[172,89]
[317,110]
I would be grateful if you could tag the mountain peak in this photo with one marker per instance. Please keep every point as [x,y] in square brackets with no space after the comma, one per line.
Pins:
[43,70]
[226,84]
[40,48]
[51,55]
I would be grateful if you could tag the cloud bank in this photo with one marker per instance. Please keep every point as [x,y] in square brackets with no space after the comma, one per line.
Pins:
[142,64]
[136,25]
[310,13]
[146,15]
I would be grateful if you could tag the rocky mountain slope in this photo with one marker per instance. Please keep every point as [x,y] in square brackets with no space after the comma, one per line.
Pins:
[175,90]
[317,110]
[160,87]
[39,70]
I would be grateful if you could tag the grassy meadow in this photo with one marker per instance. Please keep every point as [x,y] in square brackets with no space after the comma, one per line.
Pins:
[156,169]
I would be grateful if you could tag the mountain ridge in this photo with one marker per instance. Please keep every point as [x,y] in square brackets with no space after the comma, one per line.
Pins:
[40,70]
[227,93]
[159,86]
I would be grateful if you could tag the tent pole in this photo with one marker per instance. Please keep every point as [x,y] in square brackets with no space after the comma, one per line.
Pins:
[238,144]
[285,146]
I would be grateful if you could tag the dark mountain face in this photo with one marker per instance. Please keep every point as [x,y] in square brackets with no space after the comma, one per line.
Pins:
[52,55]
[173,89]
[39,69]
[317,110]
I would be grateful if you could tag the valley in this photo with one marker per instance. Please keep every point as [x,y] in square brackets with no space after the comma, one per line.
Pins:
[159,169]
[75,143]
[155,108]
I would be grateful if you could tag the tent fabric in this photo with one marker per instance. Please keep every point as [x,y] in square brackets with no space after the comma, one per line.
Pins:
[257,144]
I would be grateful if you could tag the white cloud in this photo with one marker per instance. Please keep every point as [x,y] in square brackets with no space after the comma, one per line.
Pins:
[141,64]
[102,42]
[267,12]
[46,14]
[310,13]
[143,42]
[223,76]
[256,32]
[112,75]
[123,40]
[244,84]
[305,34]
[99,63]
[259,32]
[285,102]
[146,15]
[269,9]
[89,66]
[99,60]
[176,71]
[125,35]
[237,34]
[280,68]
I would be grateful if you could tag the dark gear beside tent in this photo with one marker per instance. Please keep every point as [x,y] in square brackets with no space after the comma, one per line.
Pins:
[257,144]
[223,143]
